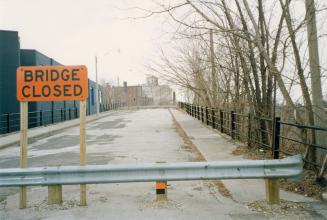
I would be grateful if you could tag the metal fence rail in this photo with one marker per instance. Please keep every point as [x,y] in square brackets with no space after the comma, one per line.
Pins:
[290,168]
[9,122]
[268,133]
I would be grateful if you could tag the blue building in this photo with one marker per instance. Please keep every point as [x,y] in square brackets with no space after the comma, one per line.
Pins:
[40,113]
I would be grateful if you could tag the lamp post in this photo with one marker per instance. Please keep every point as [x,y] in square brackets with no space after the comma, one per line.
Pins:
[96,80]
[96,86]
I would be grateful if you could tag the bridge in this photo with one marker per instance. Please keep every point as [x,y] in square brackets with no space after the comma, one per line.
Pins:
[144,135]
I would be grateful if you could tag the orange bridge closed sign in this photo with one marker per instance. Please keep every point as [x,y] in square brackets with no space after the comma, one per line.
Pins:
[52,83]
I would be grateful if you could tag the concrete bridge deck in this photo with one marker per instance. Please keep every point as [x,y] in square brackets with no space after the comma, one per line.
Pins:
[144,135]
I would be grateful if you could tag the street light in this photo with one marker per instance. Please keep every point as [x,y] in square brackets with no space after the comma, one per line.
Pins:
[96,79]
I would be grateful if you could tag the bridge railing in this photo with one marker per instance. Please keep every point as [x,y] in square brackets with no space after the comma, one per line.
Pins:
[282,138]
[10,122]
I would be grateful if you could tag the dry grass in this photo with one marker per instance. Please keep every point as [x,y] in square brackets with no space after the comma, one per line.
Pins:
[307,187]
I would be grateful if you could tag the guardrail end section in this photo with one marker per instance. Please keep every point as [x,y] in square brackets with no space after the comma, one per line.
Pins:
[297,160]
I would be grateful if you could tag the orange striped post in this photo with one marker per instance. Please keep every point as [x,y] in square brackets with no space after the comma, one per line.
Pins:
[161,190]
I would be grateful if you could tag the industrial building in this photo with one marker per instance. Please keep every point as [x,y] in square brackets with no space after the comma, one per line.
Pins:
[159,94]
[40,113]
[150,93]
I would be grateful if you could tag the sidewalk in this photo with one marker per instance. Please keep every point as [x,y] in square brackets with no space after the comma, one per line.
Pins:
[46,131]
[215,146]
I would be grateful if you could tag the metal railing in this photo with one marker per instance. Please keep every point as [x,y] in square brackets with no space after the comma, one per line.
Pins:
[269,133]
[10,122]
[289,168]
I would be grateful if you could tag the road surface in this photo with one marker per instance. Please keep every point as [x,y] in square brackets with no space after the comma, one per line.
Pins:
[132,136]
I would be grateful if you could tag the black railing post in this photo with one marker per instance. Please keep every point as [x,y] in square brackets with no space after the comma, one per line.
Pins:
[8,122]
[193,110]
[207,114]
[232,124]
[198,112]
[249,130]
[41,117]
[213,118]
[52,115]
[76,112]
[202,114]
[276,138]
[62,114]
[69,114]
[221,121]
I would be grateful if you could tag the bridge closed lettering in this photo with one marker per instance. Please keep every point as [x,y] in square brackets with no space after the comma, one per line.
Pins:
[52,83]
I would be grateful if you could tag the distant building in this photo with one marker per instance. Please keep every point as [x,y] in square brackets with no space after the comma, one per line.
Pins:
[150,93]
[160,94]
[152,81]
[130,95]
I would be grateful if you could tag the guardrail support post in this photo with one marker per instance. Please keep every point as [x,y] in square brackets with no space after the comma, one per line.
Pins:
[161,188]
[232,124]
[54,194]
[276,139]
[272,191]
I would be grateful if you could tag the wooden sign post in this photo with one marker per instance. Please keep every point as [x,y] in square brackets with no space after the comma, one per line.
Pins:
[51,83]
[23,149]
[82,159]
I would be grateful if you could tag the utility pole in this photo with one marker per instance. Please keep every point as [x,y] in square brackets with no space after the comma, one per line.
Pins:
[317,98]
[96,86]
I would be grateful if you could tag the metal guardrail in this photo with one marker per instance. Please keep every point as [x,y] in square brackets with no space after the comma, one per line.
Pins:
[290,168]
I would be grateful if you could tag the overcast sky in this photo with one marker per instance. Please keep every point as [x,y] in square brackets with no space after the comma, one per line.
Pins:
[73,32]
